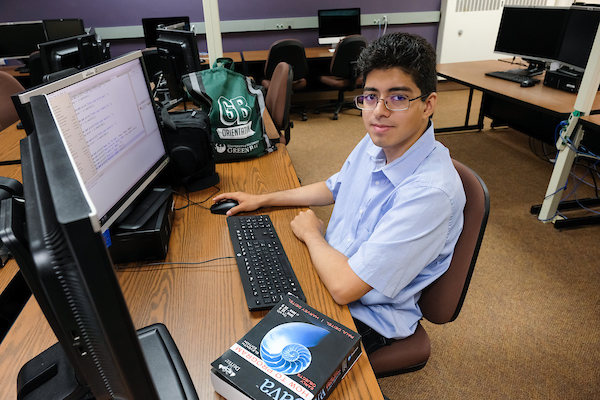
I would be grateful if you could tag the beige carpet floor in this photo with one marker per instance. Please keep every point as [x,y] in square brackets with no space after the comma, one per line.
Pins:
[530,324]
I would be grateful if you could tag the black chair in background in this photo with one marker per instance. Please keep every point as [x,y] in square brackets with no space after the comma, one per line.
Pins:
[278,99]
[292,52]
[343,74]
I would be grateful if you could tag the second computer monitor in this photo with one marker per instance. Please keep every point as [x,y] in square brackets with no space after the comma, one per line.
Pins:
[579,37]
[336,24]
[73,52]
[532,33]
[178,55]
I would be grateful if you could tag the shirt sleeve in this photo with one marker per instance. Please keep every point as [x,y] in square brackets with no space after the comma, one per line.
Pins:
[409,236]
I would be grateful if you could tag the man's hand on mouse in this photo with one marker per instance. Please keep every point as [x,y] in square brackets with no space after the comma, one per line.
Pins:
[246,201]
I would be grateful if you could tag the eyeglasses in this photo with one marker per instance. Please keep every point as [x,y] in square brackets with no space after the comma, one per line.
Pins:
[395,102]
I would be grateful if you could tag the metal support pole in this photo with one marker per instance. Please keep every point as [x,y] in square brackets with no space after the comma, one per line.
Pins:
[212,24]
[573,133]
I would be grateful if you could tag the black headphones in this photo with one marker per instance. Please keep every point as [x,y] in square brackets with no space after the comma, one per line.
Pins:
[10,187]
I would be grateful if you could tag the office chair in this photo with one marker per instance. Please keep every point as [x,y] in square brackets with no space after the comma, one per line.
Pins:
[343,74]
[292,52]
[442,300]
[278,100]
[9,85]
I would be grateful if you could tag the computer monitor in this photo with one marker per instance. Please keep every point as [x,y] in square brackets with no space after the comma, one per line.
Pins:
[64,260]
[178,55]
[532,33]
[20,39]
[336,24]
[150,24]
[72,52]
[109,123]
[63,28]
[579,37]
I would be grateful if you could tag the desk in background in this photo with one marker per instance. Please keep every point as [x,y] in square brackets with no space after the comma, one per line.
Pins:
[202,305]
[535,111]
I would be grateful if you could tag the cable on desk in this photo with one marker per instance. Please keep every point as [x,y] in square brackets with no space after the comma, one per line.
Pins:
[197,264]
[10,162]
[194,203]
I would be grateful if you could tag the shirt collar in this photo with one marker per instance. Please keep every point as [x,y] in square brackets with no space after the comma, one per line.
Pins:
[406,164]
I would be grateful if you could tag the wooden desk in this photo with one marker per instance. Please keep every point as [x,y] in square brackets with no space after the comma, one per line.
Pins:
[202,305]
[12,70]
[535,110]
[311,53]
[234,55]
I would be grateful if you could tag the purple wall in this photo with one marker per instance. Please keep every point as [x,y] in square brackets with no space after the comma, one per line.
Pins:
[109,13]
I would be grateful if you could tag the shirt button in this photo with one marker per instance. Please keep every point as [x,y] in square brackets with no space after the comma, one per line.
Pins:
[348,240]
[377,183]
[361,211]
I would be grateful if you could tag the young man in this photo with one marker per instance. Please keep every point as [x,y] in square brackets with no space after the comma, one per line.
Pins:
[398,199]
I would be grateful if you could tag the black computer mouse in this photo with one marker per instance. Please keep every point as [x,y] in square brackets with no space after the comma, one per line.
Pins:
[223,206]
[528,83]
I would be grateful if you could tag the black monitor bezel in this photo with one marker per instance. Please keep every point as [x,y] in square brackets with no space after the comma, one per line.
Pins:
[31,44]
[512,40]
[51,24]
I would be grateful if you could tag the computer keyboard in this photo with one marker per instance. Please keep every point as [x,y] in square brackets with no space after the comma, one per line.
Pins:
[511,76]
[264,267]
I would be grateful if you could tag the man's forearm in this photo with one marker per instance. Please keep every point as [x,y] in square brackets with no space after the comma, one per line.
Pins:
[316,194]
[331,265]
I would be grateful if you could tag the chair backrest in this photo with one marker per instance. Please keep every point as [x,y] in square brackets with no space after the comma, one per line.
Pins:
[346,53]
[9,85]
[442,300]
[279,97]
[292,52]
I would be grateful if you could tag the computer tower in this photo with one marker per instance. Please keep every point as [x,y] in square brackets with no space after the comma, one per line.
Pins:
[147,243]
[567,81]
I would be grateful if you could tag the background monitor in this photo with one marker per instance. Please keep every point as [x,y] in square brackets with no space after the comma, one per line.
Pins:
[579,37]
[73,52]
[532,33]
[65,262]
[178,55]
[336,24]
[150,24]
[63,28]
[20,39]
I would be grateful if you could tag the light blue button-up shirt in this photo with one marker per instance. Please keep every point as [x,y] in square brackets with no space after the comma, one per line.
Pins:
[398,223]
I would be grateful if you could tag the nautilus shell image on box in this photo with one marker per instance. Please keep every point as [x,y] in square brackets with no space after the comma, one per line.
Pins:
[285,348]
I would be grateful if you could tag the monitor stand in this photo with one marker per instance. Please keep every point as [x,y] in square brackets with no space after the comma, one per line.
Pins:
[50,376]
[534,68]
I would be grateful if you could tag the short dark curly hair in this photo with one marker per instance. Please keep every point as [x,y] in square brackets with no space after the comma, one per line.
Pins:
[409,52]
